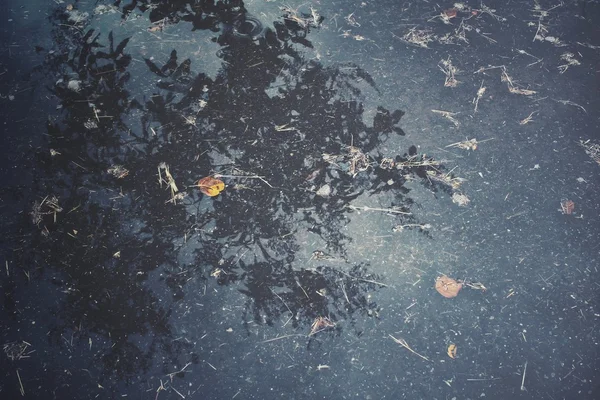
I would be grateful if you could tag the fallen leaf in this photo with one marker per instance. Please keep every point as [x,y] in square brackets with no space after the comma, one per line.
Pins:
[211,186]
[447,287]
[567,206]
[451,12]
[452,351]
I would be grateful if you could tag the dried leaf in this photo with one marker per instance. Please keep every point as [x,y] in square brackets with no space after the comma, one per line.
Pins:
[452,351]
[450,13]
[447,287]
[211,186]
[567,206]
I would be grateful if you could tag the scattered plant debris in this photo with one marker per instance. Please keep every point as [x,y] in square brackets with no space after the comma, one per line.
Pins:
[450,71]
[460,199]
[448,115]
[17,350]
[170,181]
[570,60]
[470,144]
[320,324]
[48,206]
[528,119]
[591,149]
[118,171]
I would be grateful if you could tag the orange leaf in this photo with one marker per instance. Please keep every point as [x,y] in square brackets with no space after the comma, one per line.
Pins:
[452,351]
[211,186]
[447,287]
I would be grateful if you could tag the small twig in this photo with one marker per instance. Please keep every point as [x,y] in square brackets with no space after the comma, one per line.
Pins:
[243,177]
[176,391]
[172,374]
[570,103]
[390,210]
[284,303]
[480,93]
[528,119]
[448,115]
[344,290]
[403,343]
[365,280]
[278,338]
[21,388]
[161,387]
[523,380]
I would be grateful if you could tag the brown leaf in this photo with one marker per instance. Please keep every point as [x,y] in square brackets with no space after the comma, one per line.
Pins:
[447,287]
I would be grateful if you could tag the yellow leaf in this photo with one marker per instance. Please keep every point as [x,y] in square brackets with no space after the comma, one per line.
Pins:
[452,351]
[211,186]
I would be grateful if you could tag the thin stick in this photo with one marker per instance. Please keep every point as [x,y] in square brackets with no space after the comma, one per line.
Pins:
[278,338]
[480,94]
[243,177]
[21,388]
[172,374]
[403,343]
[448,115]
[365,280]
[284,303]
[390,210]
[523,380]
[161,387]
[176,391]
[344,290]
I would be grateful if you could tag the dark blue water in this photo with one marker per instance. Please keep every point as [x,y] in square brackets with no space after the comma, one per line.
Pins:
[346,196]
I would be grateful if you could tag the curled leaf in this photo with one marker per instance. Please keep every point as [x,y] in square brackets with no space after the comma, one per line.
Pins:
[211,186]
[452,351]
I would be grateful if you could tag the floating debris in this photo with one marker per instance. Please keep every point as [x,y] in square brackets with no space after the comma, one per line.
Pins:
[460,199]
[48,206]
[591,149]
[419,37]
[450,71]
[446,179]
[170,181]
[448,115]
[452,351]
[118,171]
[211,186]
[567,207]
[320,324]
[570,60]
[447,287]
[470,144]
[17,350]
[404,344]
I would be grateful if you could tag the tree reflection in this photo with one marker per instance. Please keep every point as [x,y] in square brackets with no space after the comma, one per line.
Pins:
[278,127]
